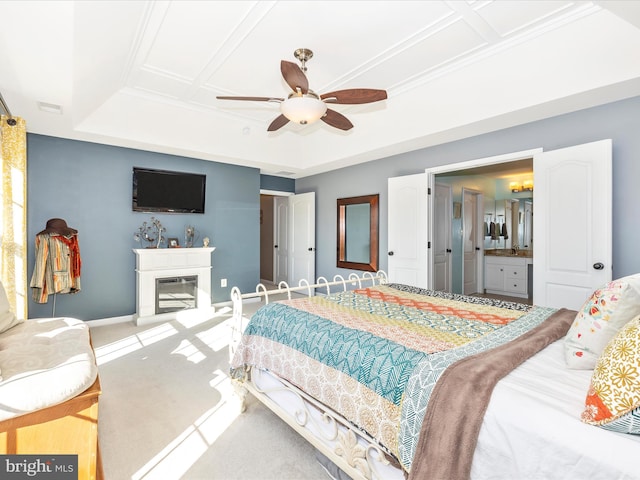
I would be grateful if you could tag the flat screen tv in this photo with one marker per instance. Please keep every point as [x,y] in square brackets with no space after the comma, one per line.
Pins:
[166,191]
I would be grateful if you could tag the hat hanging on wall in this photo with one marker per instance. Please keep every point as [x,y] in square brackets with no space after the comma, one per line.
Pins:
[59,226]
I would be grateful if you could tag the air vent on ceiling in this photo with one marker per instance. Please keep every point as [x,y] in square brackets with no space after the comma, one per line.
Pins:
[50,107]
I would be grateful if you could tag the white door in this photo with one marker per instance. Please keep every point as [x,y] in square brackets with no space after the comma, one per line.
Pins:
[407,230]
[302,236]
[442,237]
[470,242]
[571,223]
[281,240]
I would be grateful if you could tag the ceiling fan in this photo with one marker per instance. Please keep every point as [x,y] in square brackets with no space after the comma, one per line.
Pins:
[304,106]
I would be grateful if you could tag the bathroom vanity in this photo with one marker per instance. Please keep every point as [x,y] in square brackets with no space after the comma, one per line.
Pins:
[506,272]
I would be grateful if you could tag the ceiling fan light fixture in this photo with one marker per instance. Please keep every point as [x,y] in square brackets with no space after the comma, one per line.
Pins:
[303,109]
[304,106]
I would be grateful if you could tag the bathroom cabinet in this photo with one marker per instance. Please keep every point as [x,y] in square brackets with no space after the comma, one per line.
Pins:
[506,275]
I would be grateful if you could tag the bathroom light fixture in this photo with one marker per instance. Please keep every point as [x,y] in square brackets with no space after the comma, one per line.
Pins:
[514,187]
[303,108]
[527,185]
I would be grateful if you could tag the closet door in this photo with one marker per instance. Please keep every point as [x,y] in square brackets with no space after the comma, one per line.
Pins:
[571,223]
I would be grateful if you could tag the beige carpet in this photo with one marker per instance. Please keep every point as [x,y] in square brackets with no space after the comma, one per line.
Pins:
[167,410]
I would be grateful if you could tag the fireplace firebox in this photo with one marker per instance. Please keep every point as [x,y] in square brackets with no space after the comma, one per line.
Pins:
[176,293]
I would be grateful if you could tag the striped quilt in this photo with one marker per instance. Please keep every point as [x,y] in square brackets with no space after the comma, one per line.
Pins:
[374,354]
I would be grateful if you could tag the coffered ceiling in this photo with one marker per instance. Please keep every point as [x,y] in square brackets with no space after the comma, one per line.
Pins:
[145,74]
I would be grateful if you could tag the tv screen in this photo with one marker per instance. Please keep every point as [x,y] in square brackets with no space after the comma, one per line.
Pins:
[165,191]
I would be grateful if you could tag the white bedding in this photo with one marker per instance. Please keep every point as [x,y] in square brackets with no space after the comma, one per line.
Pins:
[44,362]
[532,428]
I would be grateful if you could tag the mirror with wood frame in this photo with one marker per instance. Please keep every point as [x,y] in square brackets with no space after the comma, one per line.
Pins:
[358,233]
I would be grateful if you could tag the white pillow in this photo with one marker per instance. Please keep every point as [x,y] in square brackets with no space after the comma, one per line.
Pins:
[608,309]
[7,317]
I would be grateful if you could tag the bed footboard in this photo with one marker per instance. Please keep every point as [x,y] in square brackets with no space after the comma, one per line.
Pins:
[351,449]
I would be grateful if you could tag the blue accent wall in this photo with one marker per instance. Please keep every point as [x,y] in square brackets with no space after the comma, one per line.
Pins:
[90,186]
[619,121]
[279,184]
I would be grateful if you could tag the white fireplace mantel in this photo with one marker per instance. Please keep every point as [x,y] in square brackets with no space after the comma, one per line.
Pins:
[155,263]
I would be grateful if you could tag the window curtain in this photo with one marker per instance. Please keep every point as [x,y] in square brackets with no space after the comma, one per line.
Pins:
[13,225]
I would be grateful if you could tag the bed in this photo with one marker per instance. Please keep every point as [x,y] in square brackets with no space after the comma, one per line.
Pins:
[391,381]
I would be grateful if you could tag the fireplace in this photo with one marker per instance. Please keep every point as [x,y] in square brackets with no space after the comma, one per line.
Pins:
[172,282]
[176,293]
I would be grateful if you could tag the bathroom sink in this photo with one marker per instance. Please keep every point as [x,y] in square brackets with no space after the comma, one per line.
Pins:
[507,252]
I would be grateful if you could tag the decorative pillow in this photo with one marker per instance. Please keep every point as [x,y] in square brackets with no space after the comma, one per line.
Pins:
[607,310]
[7,317]
[613,400]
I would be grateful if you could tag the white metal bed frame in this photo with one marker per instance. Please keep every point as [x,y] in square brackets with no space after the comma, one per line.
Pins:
[352,450]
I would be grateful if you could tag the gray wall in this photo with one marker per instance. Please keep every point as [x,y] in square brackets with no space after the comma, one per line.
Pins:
[90,186]
[619,121]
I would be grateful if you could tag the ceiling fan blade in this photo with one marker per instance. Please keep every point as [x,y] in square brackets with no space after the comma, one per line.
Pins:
[279,122]
[253,99]
[294,76]
[354,96]
[337,120]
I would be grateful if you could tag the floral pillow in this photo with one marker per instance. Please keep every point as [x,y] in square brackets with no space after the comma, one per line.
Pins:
[613,400]
[607,310]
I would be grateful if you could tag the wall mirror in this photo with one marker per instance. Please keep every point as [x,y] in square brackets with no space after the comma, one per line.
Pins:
[358,233]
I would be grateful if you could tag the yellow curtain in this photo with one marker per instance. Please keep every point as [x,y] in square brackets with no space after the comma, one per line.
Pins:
[13,227]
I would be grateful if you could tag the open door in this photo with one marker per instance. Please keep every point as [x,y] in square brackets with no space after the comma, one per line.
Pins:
[281,240]
[302,238]
[442,237]
[571,223]
[407,230]
[472,238]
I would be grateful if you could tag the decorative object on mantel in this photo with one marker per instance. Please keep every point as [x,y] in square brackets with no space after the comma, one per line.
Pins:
[190,236]
[205,242]
[151,233]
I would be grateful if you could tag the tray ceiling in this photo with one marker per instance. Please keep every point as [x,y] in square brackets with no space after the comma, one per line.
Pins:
[145,74]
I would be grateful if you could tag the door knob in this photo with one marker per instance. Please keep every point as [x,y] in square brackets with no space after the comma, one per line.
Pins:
[310,249]
[598,266]
[448,250]
[391,253]
[275,246]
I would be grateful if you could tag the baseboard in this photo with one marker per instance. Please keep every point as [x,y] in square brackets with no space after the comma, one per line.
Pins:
[110,321]
[229,303]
